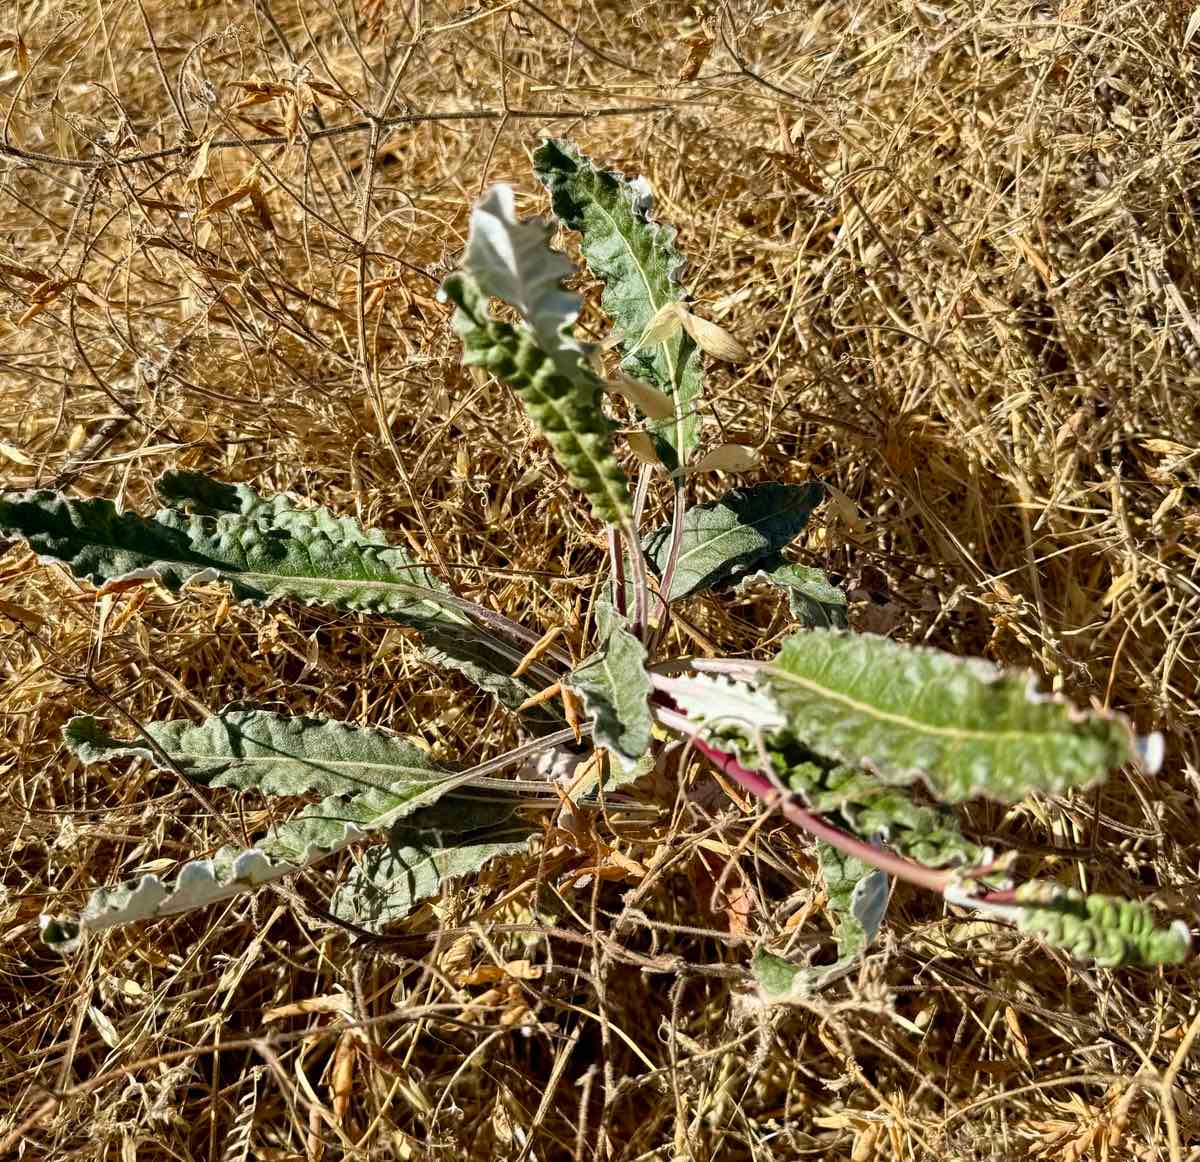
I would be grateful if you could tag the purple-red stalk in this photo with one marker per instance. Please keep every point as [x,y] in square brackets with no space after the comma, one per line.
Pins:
[757,784]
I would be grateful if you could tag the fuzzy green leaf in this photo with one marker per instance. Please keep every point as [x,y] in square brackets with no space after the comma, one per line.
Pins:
[266,548]
[616,688]
[1104,930]
[370,781]
[513,261]
[965,728]
[725,539]
[857,900]
[449,839]
[251,749]
[856,801]
[858,895]
[540,361]
[813,601]
[641,268]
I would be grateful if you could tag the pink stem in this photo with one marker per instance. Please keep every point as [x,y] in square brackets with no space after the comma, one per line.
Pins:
[888,861]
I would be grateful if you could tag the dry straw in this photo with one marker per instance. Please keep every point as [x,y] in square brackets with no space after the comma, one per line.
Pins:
[959,244]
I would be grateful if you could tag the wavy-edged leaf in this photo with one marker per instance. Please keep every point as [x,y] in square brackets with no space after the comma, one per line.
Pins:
[449,839]
[513,261]
[1105,930]
[371,781]
[857,897]
[263,557]
[727,538]
[266,548]
[318,831]
[961,725]
[560,392]
[851,798]
[814,602]
[641,267]
[616,688]
[450,638]
[250,749]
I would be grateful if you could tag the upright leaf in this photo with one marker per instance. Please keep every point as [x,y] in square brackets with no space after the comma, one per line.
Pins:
[512,261]
[964,727]
[641,267]
[450,839]
[266,548]
[616,689]
[813,601]
[540,361]
[725,539]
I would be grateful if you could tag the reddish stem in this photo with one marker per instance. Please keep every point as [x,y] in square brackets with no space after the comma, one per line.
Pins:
[888,861]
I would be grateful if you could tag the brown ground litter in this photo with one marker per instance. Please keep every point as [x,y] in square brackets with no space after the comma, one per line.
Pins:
[960,243]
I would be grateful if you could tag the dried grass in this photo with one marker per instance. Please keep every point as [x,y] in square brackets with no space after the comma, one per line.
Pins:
[960,243]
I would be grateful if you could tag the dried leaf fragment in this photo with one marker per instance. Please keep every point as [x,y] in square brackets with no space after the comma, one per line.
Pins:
[642,446]
[652,403]
[664,325]
[699,45]
[728,458]
[712,338]
[200,164]
[13,453]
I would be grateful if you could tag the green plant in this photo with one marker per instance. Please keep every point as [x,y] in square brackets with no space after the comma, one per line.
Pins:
[836,731]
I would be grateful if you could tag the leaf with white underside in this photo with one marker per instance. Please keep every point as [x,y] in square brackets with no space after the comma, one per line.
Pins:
[716,701]
[813,601]
[641,267]
[511,260]
[909,713]
[376,779]
[616,688]
[725,539]
[856,899]
[540,360]
[266,548]
[450,839]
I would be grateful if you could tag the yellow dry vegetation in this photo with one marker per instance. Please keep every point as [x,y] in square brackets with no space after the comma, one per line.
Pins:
[959,245]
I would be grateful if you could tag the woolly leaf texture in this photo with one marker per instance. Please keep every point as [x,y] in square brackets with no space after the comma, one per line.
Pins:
[640,265]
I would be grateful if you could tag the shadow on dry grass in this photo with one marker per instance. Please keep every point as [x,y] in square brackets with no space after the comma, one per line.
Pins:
[961,245]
